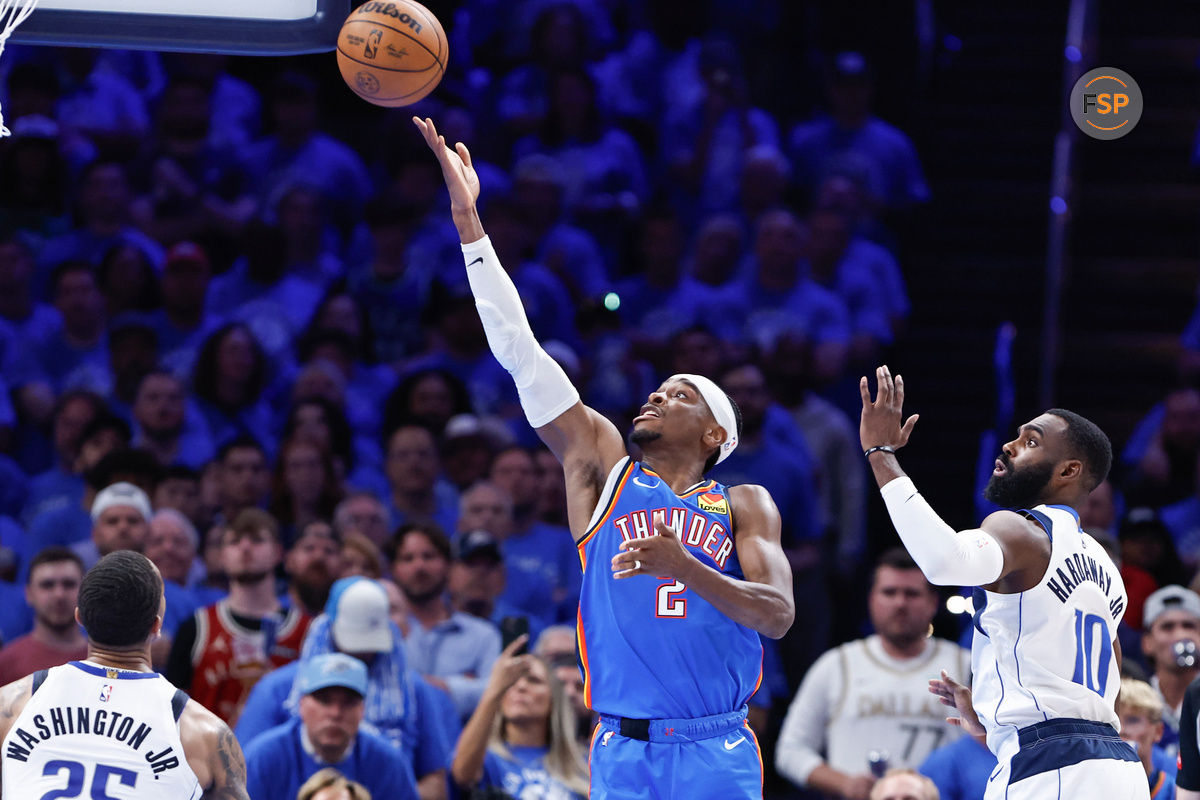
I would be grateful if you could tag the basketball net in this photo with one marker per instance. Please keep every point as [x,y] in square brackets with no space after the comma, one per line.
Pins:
[12,14]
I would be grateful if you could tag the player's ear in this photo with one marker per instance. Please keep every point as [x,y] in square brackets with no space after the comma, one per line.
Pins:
[1072,469]
[77,619]
[714,435]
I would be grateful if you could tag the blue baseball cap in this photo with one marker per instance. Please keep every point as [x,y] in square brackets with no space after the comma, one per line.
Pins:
[333,669]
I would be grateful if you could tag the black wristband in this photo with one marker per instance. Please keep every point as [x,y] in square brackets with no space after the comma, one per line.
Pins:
[886,448]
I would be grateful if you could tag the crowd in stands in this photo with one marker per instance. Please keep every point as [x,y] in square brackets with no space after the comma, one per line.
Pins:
[236,335]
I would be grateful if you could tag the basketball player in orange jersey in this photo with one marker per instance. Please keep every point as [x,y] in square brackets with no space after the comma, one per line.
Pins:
[109,726]
[680,573]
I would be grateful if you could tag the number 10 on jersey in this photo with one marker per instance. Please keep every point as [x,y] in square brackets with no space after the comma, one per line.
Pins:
[1090,630]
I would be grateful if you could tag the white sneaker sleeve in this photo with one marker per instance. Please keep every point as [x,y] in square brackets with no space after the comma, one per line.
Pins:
[948,558]
[545,390]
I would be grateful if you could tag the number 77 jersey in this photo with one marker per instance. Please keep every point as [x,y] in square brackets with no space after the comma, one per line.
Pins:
[1047,653]
[651,648]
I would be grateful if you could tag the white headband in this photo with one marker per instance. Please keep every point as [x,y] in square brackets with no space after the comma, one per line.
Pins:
[722,410]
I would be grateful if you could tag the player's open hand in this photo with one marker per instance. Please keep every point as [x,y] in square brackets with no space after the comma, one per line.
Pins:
[953,694]
[661,555]
[881,417]
[460,176]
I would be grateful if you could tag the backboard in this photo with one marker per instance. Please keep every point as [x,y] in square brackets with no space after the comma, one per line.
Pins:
[236,27]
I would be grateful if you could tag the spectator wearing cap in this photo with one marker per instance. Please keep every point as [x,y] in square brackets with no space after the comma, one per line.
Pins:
[106,461]
[851,134]
[120,521]
[181,323]
[1171,642]
[453,650]
[51,590]
[406,710]
[328,733]
[477,580]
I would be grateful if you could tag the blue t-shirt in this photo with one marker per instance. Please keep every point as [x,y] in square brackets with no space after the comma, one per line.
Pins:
[277,764]
[522,777]
[541,568]
[434,722]
[960,769]
[50,490]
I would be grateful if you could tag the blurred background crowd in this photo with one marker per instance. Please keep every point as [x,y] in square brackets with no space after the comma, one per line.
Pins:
[236,335]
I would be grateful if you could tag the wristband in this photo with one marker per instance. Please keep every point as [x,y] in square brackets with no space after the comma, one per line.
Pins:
[886,448]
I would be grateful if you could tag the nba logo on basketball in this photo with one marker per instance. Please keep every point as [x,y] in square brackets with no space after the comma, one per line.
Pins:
[105,693]
[714,503]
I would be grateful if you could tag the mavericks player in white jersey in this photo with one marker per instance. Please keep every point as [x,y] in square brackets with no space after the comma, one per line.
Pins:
[110,727]
[1045,654]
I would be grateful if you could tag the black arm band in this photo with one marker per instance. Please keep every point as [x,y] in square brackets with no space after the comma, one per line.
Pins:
[887,448]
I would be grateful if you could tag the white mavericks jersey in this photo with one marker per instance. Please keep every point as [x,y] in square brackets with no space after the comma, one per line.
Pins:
[94,731]
[884,704]
[1047,653]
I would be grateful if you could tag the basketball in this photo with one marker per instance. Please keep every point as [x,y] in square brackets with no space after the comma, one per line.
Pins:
[392,53]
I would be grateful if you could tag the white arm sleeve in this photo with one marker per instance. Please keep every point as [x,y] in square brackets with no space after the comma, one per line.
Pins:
[544,389]
[802,737]
[966,558]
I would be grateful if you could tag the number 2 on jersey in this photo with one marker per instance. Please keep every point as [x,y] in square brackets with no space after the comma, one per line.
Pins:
[668,606]
[1089,671]
[77,775]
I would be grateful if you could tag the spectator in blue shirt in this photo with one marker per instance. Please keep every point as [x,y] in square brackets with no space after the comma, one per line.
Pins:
[961,769]
[453,650]
[62,485]
[407,711]
[520,738]
[541,562]
[75,356]
[850,132]
[329,733]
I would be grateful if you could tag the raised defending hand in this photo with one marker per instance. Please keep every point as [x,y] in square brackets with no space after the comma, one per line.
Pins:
[880,423]
[661,555]
[461,178]
[953,694]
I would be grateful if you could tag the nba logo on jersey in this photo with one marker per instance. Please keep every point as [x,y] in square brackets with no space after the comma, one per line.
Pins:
[711,501]
[105,692]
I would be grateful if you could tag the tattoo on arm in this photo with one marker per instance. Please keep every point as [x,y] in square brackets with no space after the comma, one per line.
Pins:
[229,769]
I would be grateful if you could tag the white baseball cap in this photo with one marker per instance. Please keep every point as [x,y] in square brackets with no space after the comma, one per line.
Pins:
[121,494]
[361,623]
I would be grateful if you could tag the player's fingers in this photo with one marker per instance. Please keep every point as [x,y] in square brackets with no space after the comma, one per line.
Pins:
[955,721]
[864,389]
[883,389]
[900,391]
[663,529]
[463,153]
[909,424]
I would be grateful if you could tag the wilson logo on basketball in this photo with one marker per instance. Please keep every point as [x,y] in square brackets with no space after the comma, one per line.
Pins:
[713,502]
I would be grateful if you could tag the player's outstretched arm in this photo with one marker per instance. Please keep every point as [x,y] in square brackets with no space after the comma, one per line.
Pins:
[1005,551]
[586,443]
[763,601]
[213,753]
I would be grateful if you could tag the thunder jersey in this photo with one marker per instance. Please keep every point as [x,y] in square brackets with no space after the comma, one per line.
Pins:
[94,731]
[650,647]
[1047,653]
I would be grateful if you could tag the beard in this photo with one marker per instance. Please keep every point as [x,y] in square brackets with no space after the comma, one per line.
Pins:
[642,437]
[1018,488]
[257,576]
